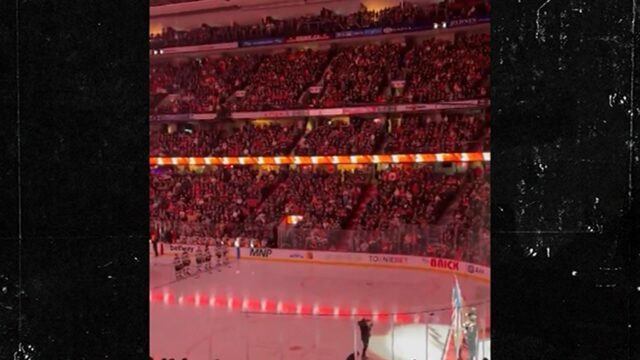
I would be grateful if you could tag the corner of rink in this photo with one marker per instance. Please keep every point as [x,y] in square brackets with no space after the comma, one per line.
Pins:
[291,304]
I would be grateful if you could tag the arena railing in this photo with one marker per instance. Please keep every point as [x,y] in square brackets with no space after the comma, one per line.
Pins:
[414,240]
[405,239]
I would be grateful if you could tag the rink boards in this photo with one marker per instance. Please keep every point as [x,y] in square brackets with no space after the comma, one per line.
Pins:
[419,263]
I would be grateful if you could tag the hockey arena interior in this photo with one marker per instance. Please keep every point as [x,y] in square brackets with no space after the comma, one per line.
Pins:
[319,180]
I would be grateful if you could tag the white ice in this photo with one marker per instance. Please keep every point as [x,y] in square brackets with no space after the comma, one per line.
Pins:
[262,310]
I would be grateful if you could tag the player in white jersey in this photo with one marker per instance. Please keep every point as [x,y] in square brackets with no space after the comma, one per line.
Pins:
[186,262]
[225,252]
[179,267]
[199,259]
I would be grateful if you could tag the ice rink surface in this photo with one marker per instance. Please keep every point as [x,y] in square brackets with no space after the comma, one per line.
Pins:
[263,310]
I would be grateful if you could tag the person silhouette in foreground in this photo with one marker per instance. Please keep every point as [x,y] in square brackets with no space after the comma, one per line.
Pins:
[365,333]
[354,356]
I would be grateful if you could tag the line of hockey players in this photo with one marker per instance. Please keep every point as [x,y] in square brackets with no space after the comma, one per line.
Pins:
[182,262]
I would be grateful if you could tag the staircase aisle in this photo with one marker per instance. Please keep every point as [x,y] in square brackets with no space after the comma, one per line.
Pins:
[366,195]
[447,214]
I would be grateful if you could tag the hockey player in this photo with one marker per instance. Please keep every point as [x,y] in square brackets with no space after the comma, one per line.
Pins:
[225,253]
[207,258]
[177,264]
[218,254]
[199,259]
[186,262]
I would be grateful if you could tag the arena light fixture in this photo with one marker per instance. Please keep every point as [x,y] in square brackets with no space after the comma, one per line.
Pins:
[318,160]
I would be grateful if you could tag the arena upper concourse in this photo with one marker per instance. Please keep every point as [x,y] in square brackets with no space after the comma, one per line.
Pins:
[339,152]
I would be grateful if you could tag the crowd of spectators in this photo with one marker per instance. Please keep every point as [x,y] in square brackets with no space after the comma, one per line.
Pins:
[467,235]
[214,202]
[401,212]
[271,139]
[358,136]
[322,197]
[327,22]
[200,85]
[267,140]
[464,235]
[183,143]
[407,195]
[167,78]
[439,70]
[436,70]
[242,201]
[359,74]
[425,134]
[465,9]
[281,79]
[409,135]
[487,140]
[322,212]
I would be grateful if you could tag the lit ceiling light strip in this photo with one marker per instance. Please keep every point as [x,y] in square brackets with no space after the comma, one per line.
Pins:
[320,160]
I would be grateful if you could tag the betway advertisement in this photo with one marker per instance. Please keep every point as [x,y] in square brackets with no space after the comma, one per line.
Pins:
[179,248]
